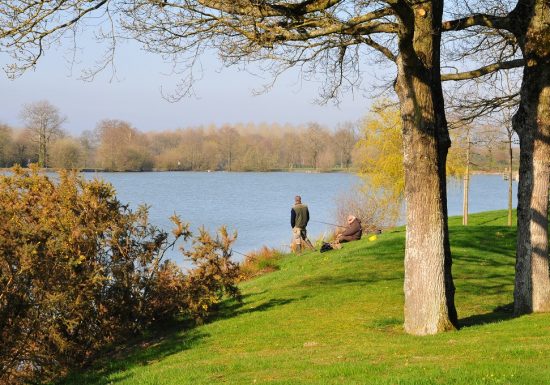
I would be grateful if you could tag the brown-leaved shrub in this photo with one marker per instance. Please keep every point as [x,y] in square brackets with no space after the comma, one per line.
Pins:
[214,273]
[79,271]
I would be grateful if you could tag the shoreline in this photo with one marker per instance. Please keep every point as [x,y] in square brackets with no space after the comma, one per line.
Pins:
[289,170]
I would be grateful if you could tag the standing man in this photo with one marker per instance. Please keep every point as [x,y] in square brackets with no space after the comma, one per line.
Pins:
[299,217]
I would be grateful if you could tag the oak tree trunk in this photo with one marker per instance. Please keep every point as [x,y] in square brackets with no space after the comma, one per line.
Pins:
[428,286]
[532,123]
[532,283]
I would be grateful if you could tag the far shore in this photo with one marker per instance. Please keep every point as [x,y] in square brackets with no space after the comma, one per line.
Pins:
[296,170]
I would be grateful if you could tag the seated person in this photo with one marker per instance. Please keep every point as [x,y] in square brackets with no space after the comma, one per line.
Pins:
[352,233]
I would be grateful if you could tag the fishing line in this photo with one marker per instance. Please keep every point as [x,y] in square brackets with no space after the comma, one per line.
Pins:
[238,252]
[331,224]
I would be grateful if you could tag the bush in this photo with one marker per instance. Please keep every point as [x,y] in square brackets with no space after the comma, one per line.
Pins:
[213,276]
[79,271]
[260,262]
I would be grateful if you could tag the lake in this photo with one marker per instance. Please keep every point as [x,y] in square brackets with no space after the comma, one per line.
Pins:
[257,205]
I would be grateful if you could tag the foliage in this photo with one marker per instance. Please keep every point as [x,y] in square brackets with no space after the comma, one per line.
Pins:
[214,274]
[66,153]
[457,158]
[380,157]
[122,147]
[6,144]
[79,270]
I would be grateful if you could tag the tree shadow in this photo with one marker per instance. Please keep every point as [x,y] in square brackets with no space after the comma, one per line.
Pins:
[494,239]
[370,278]
[480,288]
[492,220]
[163,342]
[499,314]
[231,308]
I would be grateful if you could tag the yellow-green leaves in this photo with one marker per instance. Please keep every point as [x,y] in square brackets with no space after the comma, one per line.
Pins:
[379,154]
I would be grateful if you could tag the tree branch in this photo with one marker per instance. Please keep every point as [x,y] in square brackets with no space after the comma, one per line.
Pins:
[482,71]
[482,20]
[264,9]
[379,47]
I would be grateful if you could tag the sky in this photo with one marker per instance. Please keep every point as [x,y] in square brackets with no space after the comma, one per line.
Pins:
[223,95]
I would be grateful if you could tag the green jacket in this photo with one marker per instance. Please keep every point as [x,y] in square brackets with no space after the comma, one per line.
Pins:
[299,216]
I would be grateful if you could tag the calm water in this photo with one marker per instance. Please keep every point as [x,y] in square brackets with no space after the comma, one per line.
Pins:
[257,205]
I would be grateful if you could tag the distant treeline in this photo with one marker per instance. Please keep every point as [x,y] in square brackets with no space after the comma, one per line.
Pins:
[116,145]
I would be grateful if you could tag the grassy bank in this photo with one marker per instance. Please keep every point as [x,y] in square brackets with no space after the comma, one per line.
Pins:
[336,318]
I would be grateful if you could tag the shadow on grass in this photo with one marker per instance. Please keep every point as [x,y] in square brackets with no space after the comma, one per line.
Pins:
[500,240]
[499,314]
[479,288]
[370,278]
[113,367]
[496,218]
[231,308]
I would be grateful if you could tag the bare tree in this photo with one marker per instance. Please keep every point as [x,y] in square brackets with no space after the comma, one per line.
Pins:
[122,147]
[89,142]
[67,153]
[24,149]
[532,123]
[503,120]
[43,121]
[471,143]
[345,138]
[293,153]
[228,140]
[315,140]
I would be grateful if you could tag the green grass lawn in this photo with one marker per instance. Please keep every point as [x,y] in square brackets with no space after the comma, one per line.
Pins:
[336,318]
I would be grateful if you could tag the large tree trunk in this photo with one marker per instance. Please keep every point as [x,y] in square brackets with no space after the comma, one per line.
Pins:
[532,284]
[429,289]
[532,123]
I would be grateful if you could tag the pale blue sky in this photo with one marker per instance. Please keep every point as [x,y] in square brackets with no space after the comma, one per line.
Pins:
[222,97]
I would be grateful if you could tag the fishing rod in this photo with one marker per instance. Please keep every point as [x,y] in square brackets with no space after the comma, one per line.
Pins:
[375,232]
[244,255]
[331,224]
